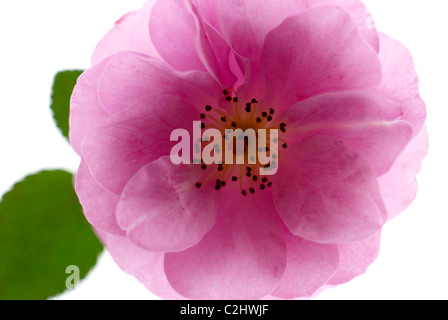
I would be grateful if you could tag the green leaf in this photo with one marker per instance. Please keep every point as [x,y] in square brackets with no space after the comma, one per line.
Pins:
[42,232]
[63,85]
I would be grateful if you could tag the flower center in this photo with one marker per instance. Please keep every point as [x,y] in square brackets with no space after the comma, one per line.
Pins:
[244,119]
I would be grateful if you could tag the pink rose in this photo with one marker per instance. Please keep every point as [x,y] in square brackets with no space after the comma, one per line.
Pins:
[351,138]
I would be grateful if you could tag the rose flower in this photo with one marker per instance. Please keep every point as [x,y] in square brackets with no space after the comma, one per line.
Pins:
[342,98]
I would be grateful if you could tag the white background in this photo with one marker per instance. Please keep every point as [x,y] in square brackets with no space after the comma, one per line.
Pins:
[40,38]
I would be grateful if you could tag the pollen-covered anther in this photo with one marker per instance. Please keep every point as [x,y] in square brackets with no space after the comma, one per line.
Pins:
[245,116]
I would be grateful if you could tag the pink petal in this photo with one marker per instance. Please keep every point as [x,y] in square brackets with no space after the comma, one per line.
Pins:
[242,257]
[173,32]
[315,52]
[328,194]
[130,33]
[400,82]
[245,24]
[98,204]
[361,18]
[129,77]
[208,10]
[355,258]
[213,51]
[309,266]
[133,138]
[366,123]
[144,265]
[399,185]
[86,111]
[162,210]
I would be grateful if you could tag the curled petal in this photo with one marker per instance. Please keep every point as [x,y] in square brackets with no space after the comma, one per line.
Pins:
[242,257]
[171,19]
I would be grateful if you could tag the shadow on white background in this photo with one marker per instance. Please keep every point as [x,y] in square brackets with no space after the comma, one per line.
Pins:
[40,38]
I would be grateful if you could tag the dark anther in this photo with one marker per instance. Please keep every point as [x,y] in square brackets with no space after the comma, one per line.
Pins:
[258,119]
[223,119]
[282,124]
[248,105]
[234,178]
[229,98]
[202,125]
[248,174]
[235,99]
[208,108]
[234,124]
[264,114]
[284,145]
[262,186]
[249,169]
[269,118]
[271,111]
[264,179]
[244,193]
[217,187]
[202,116]
[198,185]
[283,129]
[270,184]
[248,109]
[204,167]
[225,92]
[255,178]
[223,183]
[254,101]
[220,168]
[252,190]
